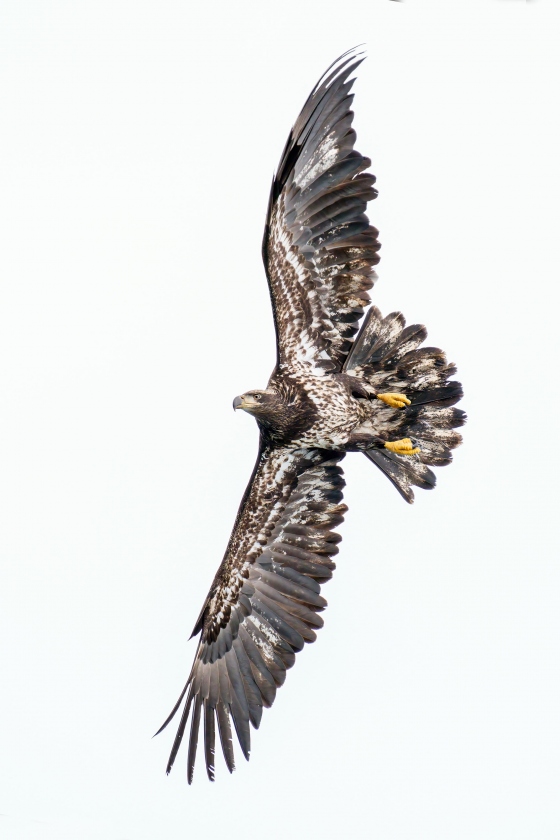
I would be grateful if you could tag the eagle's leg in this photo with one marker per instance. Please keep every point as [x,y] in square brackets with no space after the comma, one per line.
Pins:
[394,400]
[402,447]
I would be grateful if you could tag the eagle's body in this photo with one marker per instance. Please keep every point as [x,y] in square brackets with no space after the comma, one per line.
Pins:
[331,392]
[321,412]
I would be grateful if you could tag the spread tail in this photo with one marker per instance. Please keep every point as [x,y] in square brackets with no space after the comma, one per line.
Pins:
[387,358]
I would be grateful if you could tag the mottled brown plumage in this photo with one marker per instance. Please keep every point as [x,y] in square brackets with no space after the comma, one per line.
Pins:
[331,392]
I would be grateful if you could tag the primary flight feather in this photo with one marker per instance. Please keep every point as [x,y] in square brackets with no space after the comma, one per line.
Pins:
[333,390]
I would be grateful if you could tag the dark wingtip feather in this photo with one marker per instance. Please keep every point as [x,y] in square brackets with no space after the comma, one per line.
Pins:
[209,739]
[180,732]
[226,740]
[193,739]
[173,711]
[241,724]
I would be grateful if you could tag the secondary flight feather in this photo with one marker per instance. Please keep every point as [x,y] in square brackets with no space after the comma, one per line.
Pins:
[336,388]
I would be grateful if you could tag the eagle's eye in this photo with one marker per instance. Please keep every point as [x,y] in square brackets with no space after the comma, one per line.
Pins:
[257,397]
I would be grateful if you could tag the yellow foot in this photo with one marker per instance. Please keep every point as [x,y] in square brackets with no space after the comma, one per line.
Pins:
[394,400]
[402,447]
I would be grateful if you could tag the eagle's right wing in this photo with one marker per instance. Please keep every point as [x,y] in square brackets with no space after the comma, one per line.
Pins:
[319,248]
[264,601]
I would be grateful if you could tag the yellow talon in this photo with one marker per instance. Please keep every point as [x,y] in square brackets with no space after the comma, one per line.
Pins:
[402,447]
[394,400]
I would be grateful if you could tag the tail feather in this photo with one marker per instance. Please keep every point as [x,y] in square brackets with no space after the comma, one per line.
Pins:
[402,473]
[387,357]
[443,396]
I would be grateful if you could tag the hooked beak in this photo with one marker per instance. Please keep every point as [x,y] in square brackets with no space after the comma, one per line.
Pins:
[237,403]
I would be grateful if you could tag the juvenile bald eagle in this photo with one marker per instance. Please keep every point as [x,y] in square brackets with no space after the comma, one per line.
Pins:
[333,390]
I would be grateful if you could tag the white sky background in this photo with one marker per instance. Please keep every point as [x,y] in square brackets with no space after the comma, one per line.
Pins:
[138,140]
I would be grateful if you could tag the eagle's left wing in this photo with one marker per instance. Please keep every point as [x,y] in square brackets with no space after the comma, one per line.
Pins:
[318,247]
[264,601]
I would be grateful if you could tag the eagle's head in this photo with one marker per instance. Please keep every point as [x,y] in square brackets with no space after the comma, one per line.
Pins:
[264,405]
[281,416]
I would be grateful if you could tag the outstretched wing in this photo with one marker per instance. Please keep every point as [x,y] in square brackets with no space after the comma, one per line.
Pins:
[264,601]
[318,246]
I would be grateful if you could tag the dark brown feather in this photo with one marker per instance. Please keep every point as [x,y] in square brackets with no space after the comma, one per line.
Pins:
[209,739]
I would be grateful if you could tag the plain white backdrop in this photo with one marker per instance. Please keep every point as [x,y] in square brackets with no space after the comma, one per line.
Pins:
[138,141]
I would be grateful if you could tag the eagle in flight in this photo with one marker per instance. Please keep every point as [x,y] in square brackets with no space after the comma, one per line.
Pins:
[336,388]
